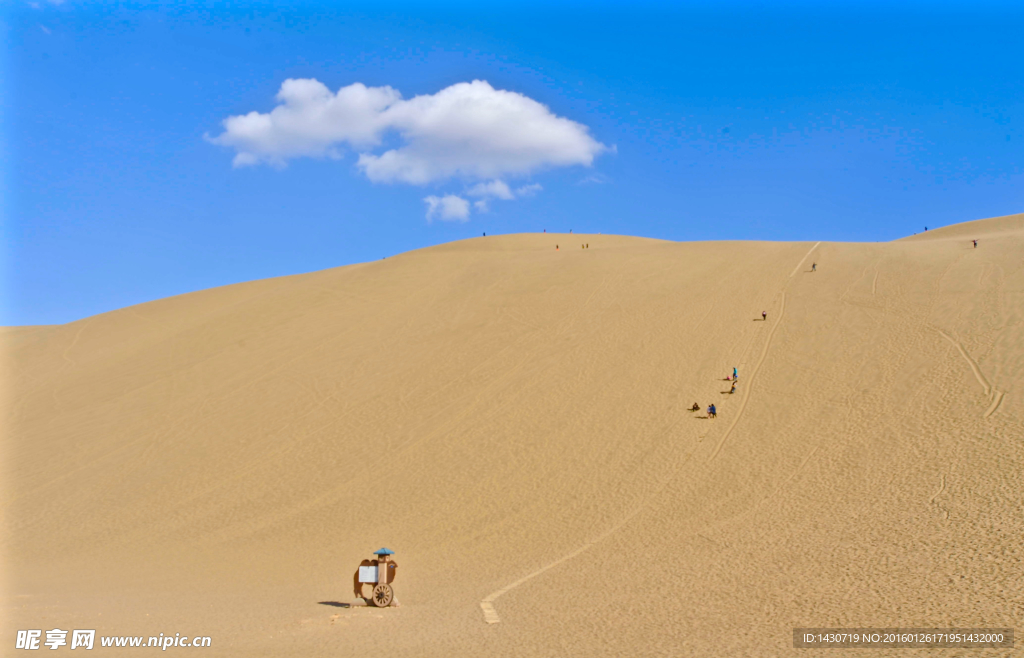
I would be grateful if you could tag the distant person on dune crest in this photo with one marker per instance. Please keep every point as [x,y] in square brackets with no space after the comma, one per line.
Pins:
[975,244]
[764,315]
[814,267]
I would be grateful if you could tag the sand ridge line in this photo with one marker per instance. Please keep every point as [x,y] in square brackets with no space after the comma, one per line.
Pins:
[750,380]
[796,470]
[939,492]
[74,341]
[797,268]
[991,391]
[487,604]
[974,366]
[996,399]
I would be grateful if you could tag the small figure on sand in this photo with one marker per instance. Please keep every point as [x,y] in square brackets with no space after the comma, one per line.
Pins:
[733,388]
[556,247]
[695,407]
[975,244]
[814,267]
[711,412]
[764,315]
[735,375]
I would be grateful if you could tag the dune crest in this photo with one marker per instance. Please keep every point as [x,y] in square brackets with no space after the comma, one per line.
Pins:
[514,422]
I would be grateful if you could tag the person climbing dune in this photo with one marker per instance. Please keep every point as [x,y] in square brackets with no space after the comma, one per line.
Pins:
[712,412]
[764,315]
[814,267]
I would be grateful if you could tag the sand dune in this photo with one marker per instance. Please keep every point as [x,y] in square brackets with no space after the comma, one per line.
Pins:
[513,422]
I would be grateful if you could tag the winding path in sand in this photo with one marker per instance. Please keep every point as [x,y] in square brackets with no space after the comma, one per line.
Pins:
[487,604]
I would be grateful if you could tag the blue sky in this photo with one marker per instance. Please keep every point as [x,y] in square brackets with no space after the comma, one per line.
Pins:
[856,122]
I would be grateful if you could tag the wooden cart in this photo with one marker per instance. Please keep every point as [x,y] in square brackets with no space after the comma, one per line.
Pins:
[373,579]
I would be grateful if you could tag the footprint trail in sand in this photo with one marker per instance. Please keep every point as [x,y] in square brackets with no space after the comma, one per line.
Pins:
[487,604]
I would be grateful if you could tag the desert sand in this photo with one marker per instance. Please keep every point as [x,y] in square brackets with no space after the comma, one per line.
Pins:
[513,421]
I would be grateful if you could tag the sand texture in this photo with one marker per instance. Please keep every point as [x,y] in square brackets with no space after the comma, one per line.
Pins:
[513,421]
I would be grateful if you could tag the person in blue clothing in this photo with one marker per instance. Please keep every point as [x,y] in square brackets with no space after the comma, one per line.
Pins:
[711,412]
[734,375]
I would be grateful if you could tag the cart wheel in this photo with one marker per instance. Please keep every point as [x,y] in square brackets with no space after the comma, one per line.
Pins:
[382,595]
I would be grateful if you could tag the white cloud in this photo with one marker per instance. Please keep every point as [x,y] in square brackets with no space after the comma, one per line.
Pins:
[468,130]
[45,30]
[308,121]
[499,189]
[595,179]
[447,208]
[496,188]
